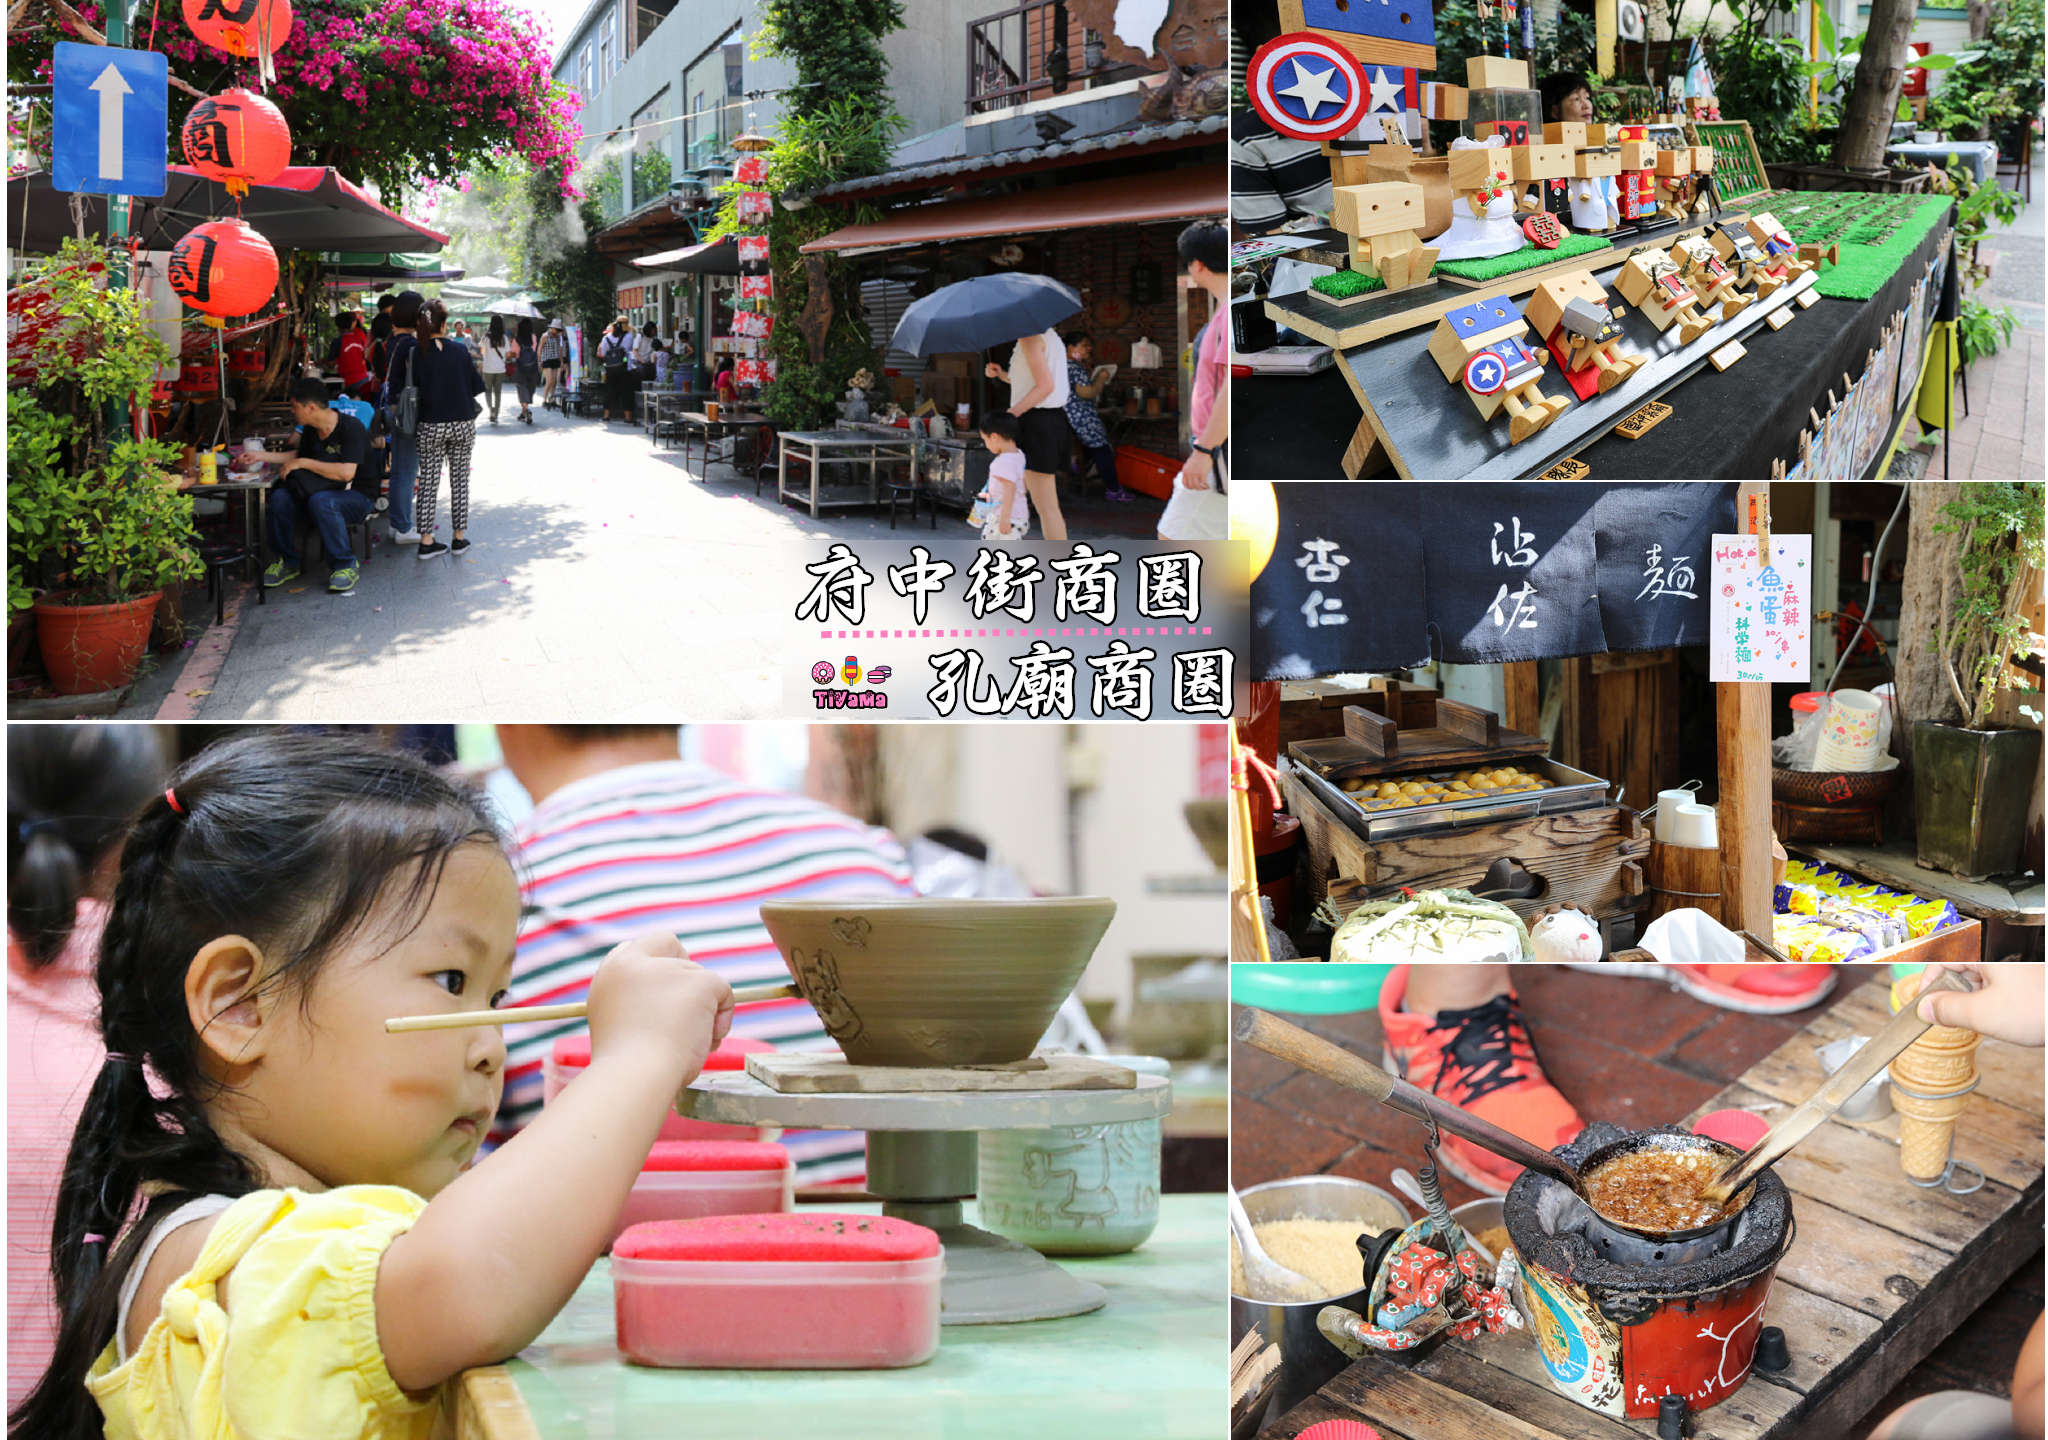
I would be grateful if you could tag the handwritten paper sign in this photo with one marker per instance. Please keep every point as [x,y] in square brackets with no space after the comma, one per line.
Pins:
[1759,612]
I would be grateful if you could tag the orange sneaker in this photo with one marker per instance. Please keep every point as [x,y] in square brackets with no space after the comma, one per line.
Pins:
[1755,989]
[1482,1060]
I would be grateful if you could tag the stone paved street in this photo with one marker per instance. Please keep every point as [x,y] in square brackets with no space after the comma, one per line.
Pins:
[605,583]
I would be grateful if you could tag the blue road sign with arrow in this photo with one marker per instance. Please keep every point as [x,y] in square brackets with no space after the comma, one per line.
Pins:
[112,119]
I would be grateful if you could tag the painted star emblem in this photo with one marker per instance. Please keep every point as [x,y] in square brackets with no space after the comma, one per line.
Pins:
[1388,93]
[1311,89]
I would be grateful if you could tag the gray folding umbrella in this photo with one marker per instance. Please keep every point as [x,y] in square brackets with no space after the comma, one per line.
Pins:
[513,305]
[979,314]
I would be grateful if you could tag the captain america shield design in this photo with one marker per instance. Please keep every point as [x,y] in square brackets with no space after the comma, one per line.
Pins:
[1308,87]
[1485,372]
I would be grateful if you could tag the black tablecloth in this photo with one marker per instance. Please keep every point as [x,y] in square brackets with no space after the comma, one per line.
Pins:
[1726,425]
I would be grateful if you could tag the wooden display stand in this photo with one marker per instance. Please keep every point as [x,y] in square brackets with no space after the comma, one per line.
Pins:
[1417,729]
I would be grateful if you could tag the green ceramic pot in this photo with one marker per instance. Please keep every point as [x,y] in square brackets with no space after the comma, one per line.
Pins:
[1076,1189]
[1970,790]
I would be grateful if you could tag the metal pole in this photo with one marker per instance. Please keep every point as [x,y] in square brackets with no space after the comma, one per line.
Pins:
[117,205]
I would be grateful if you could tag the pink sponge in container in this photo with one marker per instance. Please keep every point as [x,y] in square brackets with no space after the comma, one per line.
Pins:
[571,1057]
[816,1291]
[690,1179]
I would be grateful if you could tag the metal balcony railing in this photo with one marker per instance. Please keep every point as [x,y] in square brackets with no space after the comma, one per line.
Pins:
[1030,52]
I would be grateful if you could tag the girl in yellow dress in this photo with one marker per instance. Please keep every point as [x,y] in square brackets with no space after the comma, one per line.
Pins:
[269,1225]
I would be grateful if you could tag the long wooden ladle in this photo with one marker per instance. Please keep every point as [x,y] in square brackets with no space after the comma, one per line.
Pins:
[1881,1049]
[1268,1032]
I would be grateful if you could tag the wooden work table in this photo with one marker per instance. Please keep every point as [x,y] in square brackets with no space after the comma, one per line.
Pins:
[1879,1273]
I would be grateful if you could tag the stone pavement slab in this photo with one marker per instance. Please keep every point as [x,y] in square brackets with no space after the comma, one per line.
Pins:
[605,581]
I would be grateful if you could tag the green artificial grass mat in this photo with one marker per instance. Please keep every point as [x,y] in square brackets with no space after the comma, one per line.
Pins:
[1343,284]
[1876,232]
[1524,259]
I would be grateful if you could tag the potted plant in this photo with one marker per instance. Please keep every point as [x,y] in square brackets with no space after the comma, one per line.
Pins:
[96,527]
[1971,782]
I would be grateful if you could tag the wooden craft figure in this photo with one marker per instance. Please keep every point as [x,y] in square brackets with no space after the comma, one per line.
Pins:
[1482,206]
[1650,281]
[1745,260]
[1596,200]
[1709,278]
[1382,221]
[1777,246]
[1549,169]
[1394,45]
[1637,189]
[1480,348]
[1571,313]
[1674,169]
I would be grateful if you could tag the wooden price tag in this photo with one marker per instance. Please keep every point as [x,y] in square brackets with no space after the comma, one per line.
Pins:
[1727,355]
[1778,319]
[1807,299]
[1567,469]
[1636,426]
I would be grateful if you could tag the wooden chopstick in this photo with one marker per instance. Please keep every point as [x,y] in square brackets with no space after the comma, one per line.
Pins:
[519,1015]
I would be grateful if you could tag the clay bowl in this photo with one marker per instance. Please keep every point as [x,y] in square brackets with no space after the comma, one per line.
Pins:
[1210,820]
[933,983]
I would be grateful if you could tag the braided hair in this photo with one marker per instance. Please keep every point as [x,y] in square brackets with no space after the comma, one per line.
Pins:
[301,842]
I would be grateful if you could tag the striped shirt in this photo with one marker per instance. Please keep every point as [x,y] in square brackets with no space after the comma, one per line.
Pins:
[1274,177]
[679,847]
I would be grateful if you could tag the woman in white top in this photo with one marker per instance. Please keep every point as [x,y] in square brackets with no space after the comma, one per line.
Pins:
[1037,377]
[493,365]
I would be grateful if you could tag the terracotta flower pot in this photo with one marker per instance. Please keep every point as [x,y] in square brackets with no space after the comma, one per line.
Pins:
[92,648]
[936,983]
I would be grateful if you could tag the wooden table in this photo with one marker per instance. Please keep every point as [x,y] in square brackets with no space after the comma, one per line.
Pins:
[728,422]
[1148,1366]
[1880,1272]
[837,447]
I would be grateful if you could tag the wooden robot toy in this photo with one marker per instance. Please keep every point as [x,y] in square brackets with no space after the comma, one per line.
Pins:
[1709,278]
[1674,175]
[1650,281]
[1746,260]
[1382,220]
[1549,169]
[1637,183]
[1596,198]
[1571,313]
[1480,348]
[1777,246]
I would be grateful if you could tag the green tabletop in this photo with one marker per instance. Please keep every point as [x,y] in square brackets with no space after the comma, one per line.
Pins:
[1149,1365]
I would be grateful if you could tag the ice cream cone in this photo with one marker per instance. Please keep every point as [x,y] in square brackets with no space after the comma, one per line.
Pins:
[1931,1083]
[1942,1060]
[1926,1132]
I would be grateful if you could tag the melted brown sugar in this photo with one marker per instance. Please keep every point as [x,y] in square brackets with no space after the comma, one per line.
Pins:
[1659,1189]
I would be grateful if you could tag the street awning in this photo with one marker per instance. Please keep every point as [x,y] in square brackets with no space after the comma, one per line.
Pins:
[307,207]
[712,257]
[380,265]
[1182,194]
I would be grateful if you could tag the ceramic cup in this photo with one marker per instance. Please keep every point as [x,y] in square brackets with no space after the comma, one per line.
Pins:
[1848,734]
[1693,826]
[1077,1189]
[1668,804]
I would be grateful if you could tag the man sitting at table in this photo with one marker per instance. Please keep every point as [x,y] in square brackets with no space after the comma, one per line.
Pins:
[320,478]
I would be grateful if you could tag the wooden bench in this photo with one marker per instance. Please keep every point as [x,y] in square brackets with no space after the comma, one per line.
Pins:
[1880,1272]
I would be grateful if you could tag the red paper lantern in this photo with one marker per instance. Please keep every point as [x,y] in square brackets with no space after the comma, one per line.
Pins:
[244,28]
[224,268]
[238,138]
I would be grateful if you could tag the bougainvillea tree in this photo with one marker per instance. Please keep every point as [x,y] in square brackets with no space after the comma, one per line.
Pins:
[405,94]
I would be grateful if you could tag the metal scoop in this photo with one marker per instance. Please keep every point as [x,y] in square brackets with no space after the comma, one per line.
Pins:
[1886,1046]
[1262,1273]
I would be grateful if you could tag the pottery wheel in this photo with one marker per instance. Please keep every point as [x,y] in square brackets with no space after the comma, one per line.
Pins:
[923,1162]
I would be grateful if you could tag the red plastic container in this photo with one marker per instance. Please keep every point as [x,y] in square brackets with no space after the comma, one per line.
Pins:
[816,1291]
[1146,470]
[571,1056]
[689,1179]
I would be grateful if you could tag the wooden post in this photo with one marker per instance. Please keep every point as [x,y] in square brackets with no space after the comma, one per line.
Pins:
[1522,711]
[1743,752]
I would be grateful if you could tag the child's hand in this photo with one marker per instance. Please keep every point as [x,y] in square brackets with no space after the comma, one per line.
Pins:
[648,991]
